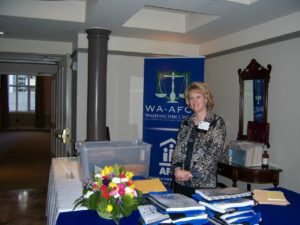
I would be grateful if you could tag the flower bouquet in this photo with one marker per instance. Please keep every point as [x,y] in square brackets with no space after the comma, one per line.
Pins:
[111,192]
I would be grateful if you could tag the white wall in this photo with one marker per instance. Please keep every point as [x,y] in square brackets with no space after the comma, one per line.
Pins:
[125,84]
[82,83]
[284,104]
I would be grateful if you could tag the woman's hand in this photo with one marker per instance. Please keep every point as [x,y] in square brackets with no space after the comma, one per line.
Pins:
[182,175]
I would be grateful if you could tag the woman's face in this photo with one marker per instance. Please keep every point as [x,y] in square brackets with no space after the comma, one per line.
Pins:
[197,101]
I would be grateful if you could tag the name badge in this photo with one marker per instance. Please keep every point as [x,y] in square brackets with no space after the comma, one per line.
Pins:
[203,125]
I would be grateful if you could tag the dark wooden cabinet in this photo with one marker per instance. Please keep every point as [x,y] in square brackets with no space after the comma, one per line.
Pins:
[254,174]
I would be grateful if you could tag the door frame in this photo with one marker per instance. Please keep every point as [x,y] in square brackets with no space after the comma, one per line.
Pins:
[61,115]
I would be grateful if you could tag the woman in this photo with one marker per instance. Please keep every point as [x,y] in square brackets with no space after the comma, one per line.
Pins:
[200,143]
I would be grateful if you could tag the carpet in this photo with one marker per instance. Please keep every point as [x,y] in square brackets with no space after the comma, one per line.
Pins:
[25,159]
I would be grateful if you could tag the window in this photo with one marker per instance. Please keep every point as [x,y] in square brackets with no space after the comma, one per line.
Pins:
[21,91]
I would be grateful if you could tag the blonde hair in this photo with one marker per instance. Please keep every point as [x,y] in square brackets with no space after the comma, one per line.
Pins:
[204,89]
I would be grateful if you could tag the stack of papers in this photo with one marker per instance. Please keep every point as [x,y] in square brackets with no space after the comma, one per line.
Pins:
[270,197]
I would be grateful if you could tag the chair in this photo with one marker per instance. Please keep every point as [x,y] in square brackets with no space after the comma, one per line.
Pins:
[258,132]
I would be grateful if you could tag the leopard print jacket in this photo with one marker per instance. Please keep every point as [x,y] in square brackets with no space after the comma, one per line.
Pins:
[208,148]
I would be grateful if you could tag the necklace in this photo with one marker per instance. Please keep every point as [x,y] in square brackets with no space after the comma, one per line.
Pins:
[197,120]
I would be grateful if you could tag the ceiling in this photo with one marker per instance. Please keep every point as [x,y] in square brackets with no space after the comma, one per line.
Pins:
[166,20]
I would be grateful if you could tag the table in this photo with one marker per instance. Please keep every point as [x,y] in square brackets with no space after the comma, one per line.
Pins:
[62,191]
[254,174]
[271,214]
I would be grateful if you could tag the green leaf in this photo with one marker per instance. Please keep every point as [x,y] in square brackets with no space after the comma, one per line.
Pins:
[79,202]
[116,170]
[122,169]
[102,207]
[92,202]
[126,211]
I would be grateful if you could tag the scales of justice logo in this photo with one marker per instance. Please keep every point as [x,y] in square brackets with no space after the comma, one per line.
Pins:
[171,85]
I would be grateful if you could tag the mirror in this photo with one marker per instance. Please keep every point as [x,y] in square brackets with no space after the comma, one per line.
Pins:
[253,102]
[254,82]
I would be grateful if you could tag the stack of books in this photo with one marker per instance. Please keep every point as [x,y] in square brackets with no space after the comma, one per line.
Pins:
[228,206]
[171,208]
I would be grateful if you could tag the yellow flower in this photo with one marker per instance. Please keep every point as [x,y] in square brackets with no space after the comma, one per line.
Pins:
[112,185]
[132,186]
[130,195]
[107,170]
[109,208]
[129,175]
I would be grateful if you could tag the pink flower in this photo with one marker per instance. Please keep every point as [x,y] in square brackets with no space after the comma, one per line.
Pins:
[121,192]
[121,186]
[113,192]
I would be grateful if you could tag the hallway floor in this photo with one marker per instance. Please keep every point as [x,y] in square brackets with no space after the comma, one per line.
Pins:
[23,207]
[25,158]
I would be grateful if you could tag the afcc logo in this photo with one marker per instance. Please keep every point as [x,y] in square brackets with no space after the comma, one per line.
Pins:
[167,148]
[171,85]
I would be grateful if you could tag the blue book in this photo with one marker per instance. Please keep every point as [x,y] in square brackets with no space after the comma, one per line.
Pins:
[228,205]
[239,217]
[255,218]
[150,214]
[210,194]
[174,203]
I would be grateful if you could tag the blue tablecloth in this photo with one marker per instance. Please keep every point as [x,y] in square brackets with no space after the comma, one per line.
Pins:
[281,215]
[271,214]
[89,217]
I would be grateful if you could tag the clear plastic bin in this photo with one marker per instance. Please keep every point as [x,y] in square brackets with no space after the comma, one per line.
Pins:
[133,155]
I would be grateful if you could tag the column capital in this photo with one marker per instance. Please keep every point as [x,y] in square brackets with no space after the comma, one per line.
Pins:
[97,32]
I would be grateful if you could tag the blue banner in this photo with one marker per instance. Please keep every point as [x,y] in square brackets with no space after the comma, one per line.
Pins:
[258,100]
[165,80]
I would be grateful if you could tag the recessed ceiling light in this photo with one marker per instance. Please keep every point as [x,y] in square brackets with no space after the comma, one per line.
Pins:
[246,2]
[168,19]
